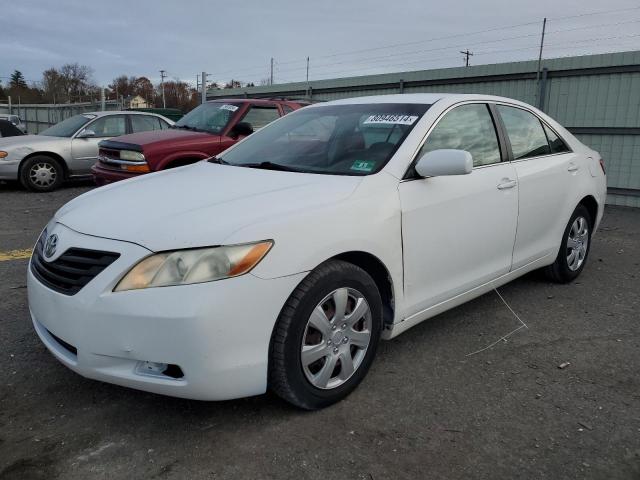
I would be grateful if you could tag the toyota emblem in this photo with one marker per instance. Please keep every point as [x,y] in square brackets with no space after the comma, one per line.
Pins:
[50,245]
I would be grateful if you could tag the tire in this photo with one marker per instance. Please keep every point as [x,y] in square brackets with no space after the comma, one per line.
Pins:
[574,249]
[308,317]
[41,173]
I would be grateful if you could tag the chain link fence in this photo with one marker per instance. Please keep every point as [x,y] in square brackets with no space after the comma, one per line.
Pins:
[39,117]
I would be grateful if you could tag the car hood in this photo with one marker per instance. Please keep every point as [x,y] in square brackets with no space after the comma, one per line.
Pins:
[198,205]
[173,136]
[29,140]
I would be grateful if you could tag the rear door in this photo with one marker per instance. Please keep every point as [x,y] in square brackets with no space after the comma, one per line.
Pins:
[545,168]
[458,231]
[146,123]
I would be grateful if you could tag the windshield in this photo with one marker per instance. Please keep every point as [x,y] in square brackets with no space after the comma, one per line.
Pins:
[210,117]
[332,139]
[68,127]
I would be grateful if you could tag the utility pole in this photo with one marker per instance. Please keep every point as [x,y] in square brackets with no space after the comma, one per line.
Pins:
[162,75]
[307,69]
[544,26]
[467,54]
[203,84]
[271,75]
[102,100]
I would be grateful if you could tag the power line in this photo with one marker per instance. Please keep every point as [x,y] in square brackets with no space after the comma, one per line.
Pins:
[396,54]
[493,29]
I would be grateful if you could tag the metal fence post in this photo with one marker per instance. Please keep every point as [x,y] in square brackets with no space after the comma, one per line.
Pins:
[542,93]
[401,86]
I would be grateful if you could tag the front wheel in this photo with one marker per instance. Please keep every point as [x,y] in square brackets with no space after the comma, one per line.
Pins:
[574,249]
[41,173]
[326,336]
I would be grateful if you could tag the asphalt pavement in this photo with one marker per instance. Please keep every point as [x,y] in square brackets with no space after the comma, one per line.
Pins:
[429,408]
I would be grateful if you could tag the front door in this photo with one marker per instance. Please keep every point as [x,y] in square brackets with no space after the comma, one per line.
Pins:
[84,151]
[458,231]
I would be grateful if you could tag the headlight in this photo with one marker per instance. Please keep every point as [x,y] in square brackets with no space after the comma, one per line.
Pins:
[3,154]
[131,156]
[183,267]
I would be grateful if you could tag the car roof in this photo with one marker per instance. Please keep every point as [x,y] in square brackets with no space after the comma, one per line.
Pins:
[119,112]
[420,98]
[258,101]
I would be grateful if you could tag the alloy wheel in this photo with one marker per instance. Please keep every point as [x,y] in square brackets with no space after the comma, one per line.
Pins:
[336,338]
[577,243]
[43,174]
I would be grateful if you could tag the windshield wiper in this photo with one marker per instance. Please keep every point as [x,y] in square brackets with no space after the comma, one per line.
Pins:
[218,161]
[187,127]
[270,166]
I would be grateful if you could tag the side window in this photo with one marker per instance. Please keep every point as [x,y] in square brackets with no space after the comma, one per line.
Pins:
[258,117]
[287,109]
[468,127]
[144,123]
[109,126]
[524,131]
[556,143]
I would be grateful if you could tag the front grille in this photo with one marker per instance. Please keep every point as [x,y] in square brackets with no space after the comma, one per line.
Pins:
[72,270]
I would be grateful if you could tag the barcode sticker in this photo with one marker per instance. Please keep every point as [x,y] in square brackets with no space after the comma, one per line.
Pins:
[391,119]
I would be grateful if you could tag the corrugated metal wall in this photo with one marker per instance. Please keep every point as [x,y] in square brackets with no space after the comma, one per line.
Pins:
[595,96]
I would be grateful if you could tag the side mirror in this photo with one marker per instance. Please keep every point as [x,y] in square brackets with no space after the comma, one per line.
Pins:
[241,129]
[86,133]
[444,162]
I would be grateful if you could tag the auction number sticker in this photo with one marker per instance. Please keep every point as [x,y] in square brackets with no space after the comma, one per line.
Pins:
[231,108]
[386,119]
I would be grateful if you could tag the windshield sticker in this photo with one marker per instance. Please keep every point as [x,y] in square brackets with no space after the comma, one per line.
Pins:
[391,119]
[90,117]
[231,108]
[363,165]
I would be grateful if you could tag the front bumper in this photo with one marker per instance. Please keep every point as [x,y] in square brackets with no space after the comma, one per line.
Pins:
[103,176]
[217,333]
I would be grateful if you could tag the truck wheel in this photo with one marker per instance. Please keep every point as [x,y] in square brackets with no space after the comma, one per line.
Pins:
[41,173]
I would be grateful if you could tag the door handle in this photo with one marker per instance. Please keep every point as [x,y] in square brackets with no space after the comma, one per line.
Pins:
[507,183]
[573,167]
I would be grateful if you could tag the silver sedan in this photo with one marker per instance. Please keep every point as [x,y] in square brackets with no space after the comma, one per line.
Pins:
[68,149]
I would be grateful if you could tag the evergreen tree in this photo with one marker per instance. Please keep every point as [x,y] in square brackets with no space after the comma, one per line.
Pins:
[17,80]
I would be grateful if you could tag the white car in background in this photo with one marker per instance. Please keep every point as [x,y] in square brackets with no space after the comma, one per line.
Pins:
[68,149]
[281,263]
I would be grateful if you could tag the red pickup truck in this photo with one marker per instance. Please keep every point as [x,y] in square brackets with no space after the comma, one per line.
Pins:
[205,131]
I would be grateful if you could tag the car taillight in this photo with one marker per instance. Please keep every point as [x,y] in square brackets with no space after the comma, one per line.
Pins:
[602,166]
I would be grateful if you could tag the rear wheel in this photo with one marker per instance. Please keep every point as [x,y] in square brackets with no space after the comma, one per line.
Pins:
[574,249]
[41,173]
[326,336]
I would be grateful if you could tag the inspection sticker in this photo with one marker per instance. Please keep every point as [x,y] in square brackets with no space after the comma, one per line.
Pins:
[363,165]
[391,119]
[231,108]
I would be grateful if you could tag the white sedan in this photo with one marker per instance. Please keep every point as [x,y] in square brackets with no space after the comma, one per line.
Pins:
[282,262]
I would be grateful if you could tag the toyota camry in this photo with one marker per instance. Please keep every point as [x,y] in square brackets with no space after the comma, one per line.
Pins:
[281,263]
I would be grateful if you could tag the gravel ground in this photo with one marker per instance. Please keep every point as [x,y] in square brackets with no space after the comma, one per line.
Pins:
[426,409]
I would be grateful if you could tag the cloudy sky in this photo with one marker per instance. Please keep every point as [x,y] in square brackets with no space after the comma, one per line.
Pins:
[236,39]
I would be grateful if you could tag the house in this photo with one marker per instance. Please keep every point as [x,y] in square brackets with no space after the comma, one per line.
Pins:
[138,102]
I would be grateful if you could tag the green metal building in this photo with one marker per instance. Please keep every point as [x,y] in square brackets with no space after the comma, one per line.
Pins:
[597,97]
